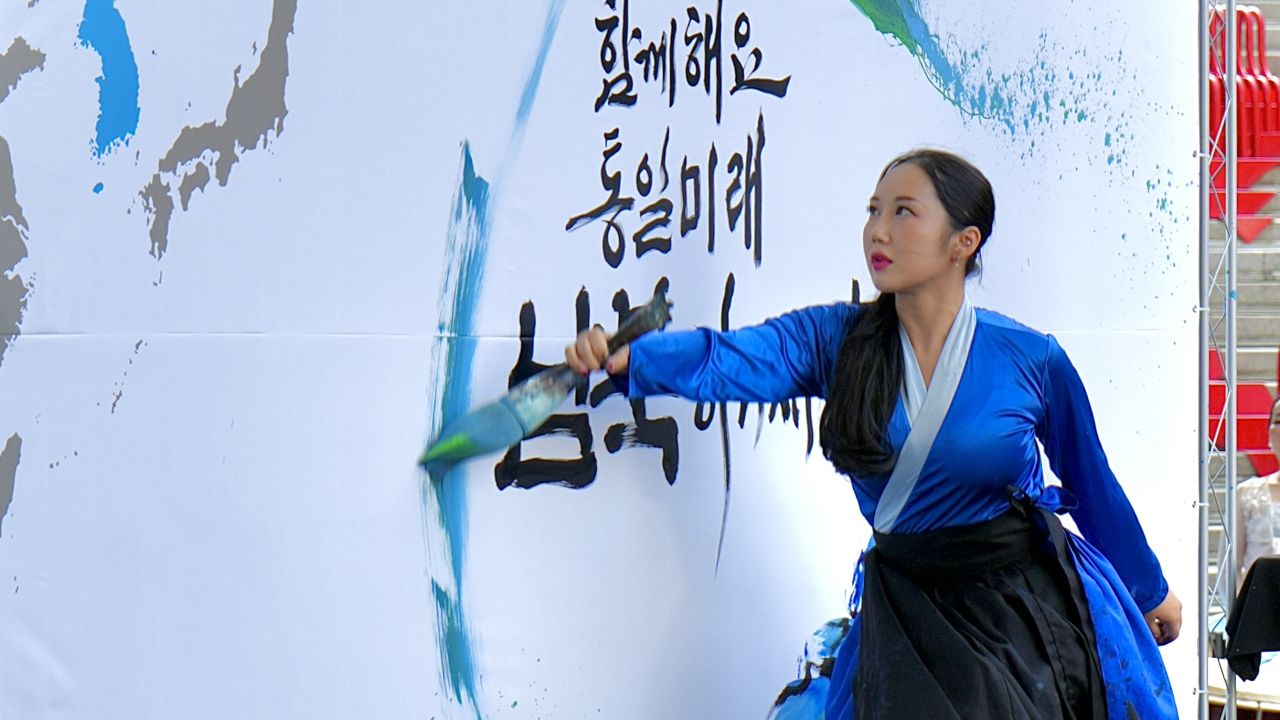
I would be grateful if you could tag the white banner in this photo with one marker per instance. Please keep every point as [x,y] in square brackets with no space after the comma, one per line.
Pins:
[255,253]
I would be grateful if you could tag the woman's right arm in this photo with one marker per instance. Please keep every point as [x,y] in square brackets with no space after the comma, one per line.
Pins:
[788,356]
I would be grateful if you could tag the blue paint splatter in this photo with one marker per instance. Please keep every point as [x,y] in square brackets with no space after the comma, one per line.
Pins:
[103,30]
[97,188]
[444,492]
[901,20]
[1029,101]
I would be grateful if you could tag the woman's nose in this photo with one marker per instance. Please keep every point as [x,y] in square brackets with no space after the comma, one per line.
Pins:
[876,231]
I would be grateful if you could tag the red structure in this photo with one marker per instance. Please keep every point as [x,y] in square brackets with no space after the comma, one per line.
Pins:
[1253,417]
[1258,150]
[1258,125]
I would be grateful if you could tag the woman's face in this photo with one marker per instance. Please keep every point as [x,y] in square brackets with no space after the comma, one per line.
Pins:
[908,239]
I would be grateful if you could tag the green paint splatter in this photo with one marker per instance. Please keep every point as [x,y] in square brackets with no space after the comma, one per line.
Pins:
[890,18]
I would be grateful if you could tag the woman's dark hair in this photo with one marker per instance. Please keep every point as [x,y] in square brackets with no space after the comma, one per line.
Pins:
[869,369]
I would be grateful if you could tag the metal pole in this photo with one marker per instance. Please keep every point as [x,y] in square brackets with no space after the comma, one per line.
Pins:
[1202,641]
[1232,107]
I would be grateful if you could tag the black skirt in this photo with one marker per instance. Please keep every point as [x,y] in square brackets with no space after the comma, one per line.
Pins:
[979,621]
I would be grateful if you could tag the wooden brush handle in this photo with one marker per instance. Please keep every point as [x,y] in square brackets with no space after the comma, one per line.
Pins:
[653,315]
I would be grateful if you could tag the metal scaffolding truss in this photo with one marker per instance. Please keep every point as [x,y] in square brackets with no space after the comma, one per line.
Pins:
[1219,58]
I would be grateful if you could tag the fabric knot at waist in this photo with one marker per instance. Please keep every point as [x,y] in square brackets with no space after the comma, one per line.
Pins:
[964,552]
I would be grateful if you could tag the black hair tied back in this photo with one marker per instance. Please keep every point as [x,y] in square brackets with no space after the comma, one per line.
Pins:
[854,426]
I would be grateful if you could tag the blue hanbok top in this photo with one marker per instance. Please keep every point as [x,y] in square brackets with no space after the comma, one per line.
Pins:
[1016,387]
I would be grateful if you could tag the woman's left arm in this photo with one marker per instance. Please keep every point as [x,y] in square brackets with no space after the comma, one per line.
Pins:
[1104,516]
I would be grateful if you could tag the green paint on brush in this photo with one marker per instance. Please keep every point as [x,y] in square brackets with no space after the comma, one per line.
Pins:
[527,406]
[503,423]
[889,18]
[449,450]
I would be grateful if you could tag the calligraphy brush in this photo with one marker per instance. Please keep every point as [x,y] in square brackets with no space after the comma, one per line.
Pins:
[512,417]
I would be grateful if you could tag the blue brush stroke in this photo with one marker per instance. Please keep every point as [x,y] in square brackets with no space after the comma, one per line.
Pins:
[467,251]
[465,255]
[103,29]
[1019,100]
[468,242]
[531,85]
[97,188]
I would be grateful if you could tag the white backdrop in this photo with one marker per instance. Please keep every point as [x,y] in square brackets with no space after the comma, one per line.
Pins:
[249,267]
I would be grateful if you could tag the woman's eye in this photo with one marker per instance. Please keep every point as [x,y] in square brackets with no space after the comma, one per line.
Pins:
[872,209]
[903,210]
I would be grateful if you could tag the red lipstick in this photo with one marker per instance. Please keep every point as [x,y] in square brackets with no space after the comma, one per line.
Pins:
[880,261]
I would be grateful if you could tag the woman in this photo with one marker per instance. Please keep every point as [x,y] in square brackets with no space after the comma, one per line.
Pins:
[975,603]
[1258,509]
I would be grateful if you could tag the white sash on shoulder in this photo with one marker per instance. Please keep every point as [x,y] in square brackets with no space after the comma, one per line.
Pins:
[925,409]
